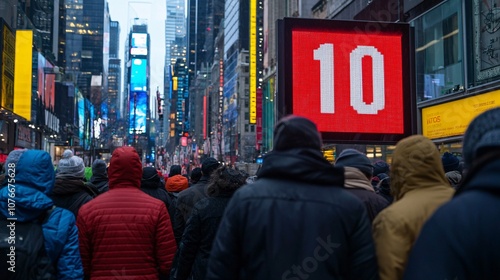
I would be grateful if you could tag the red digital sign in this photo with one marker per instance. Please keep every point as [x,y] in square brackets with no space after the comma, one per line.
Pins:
[351,78]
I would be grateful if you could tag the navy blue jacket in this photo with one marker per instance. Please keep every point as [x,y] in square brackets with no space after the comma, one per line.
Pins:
[460,241]
[34,180]
[295,222]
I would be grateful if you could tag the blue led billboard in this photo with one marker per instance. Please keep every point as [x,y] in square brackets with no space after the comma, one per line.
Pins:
[138,74]
[138,111]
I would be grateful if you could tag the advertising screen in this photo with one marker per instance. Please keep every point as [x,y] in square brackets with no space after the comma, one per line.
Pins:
[139,44]
[138,111]
[81,115]
[351,78]
[138,74]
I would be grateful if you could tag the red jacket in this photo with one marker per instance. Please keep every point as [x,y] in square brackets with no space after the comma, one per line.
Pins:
[125,232]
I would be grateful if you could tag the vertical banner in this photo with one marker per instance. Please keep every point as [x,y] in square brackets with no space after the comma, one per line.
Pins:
[253,61]
[23,73]
[258,128]
[8,53]
[205,116]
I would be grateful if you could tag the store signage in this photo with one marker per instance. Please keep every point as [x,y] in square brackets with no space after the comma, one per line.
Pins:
[351,78]
[452,118]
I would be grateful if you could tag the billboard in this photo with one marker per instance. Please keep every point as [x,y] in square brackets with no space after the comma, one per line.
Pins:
[46,83]
[7,53]
[139,44]
[138,74]
[22,73]
[138,112]
[352,78]
[81,115]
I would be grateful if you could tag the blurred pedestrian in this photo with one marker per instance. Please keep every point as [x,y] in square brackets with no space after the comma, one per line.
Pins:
[296,221]
[70,190]
[125,233]
[99,179]
[188,198]
[201,227]
[383,187]
[358,171]
[195,175]
[34,180]
[452,169]
[460,240]
[176,182]
[152,185]
[419,187]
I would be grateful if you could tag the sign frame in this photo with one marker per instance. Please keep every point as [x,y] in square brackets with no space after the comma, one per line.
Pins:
[285,88]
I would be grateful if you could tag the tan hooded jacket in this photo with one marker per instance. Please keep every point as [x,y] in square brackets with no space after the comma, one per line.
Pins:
[419,187]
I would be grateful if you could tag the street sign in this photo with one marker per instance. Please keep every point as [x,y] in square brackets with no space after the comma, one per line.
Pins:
[352,78]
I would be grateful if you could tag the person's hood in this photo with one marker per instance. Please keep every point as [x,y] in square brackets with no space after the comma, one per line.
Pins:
[177,183]
[31,184]
[302,164]
[416,163]
[125,168]
[355,179]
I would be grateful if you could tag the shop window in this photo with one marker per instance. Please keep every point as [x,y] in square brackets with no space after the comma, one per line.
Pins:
[439,51]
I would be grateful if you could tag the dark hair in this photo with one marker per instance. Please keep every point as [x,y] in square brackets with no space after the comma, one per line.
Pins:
[225,181]
[195,175]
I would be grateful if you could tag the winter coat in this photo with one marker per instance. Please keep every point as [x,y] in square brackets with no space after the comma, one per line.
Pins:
[460,240]
[359,185]
[196,243]
[71,194]
[101,184]
[296,217]
[176,183]
[419,187]
[125,232]
[185,203]
[156,190]
[34,180]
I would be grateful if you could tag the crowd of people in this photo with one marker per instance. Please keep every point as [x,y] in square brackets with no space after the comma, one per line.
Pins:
[423,216]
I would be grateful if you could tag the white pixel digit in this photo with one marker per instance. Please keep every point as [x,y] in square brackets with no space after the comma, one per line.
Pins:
[325,56]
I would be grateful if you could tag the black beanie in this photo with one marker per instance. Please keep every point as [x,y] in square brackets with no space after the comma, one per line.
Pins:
[175,170]
[150,174]
[450,162]
[296,132]
[356,159]
[209,165]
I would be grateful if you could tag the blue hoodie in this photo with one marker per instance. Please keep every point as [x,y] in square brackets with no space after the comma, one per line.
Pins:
[34,180]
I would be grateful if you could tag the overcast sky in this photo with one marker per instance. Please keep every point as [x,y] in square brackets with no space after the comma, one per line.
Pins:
[124,11]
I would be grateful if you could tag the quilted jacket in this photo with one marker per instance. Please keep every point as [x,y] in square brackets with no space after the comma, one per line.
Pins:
[125,233]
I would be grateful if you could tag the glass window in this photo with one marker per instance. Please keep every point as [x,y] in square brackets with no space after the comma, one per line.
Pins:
[439,51]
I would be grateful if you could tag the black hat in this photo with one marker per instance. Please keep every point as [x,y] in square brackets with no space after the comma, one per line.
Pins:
[150,174]
[450,162]
[356,159]
[296,132]
[175,170]
[209,165]
[380,166]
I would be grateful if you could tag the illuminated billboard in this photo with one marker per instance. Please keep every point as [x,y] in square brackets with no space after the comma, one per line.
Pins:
[139,44]
[138,112]
[7,54]
[23,73]
[81,115]
[351,78]
[138,74]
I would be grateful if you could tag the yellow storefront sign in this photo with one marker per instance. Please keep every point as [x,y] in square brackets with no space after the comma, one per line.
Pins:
[453,118]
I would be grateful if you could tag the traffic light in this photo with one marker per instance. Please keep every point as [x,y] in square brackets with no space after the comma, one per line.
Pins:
[328,154]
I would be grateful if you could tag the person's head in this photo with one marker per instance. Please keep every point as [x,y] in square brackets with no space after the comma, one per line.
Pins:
[195,175]
[125,168]
[175,170]
[356,159]
[416,163]
[380,166]
[70,166]
[482,136]
[225,181]
[99,169]
[32,168]
[450,162]
[150,178]
[209,165]
[293,132]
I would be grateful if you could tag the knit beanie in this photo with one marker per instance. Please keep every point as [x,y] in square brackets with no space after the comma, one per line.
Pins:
[99,169]
[150,174]
[175,170]
[70,166]
[450,162]
[356,159]
[380,166]
[483,133]
[296,132]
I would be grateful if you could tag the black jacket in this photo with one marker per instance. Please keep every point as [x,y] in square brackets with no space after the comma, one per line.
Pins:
[71,194]
[460,241]
[194,250]
[158,191]
[185,203]
[295,222]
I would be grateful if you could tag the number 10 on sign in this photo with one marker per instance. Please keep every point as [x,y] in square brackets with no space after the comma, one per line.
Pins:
[327,90]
